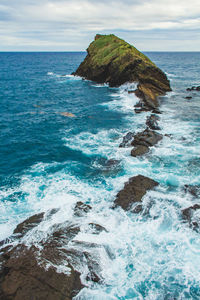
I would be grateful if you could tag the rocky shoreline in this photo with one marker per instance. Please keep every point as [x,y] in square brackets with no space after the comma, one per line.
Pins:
[32,272]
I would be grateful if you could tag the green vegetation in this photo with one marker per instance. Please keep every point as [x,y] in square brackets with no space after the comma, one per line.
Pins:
[107,48]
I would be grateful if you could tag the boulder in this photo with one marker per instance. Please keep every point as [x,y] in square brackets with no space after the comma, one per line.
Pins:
[133,192]
[112,60]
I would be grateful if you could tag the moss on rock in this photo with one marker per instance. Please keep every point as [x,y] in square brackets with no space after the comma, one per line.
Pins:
[112,60]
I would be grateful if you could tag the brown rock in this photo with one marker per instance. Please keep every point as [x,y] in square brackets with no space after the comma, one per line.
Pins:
[133,191]
[139,150]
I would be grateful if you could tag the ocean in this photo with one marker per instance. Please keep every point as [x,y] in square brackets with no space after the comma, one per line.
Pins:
[60,139]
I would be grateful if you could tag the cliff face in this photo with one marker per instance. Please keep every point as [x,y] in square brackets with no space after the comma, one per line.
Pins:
[111,60]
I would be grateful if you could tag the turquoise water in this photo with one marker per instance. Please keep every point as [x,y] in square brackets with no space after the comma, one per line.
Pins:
[50,160]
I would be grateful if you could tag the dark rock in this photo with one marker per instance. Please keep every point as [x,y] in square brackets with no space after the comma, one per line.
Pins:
[146,138]
[143,140]
[152,122]
[28,224]
[139,150]
[96,228]
[193,88]
[123,63]
[126,140]
[188,97]
[194,190]
[31,272]
[188,215]
[133,191]
[22,277]
[81,208]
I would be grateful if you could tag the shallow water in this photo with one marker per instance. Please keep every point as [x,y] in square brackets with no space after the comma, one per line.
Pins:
[50,160]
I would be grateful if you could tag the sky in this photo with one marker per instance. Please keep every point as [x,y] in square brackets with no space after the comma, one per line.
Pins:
[70,25]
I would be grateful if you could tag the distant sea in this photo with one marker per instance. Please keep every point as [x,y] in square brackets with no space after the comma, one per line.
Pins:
[57,133]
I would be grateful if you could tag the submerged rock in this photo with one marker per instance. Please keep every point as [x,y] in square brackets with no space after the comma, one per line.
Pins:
[133,192]
[111,60]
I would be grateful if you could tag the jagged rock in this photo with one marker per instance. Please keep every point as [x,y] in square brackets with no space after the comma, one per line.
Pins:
[188,215]
[133,191]
[111,60]
[152,122]
[81,208]
[146,138]
[139,150]
[32,272]
[28,224]
[194,190]
[126,140]
[22,277]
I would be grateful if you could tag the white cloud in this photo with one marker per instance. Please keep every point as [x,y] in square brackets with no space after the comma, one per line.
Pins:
[71,24]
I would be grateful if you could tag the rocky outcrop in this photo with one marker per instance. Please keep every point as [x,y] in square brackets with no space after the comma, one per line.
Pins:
[133,192]
[144,140]
[51,268]
[111,60]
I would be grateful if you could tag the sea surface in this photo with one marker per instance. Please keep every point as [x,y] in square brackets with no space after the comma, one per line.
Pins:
[51,160]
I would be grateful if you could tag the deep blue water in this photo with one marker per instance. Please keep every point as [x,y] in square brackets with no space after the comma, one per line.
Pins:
[51,160]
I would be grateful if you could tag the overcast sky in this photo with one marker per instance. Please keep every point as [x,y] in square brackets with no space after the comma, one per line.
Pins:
[70,25]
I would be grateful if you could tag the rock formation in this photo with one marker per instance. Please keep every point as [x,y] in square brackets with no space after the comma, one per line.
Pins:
[111,60]
[133,192]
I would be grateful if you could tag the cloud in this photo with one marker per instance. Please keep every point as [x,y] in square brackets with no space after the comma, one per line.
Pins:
[71,24]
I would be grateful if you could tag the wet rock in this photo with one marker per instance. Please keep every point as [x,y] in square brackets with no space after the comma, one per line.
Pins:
[81,209]
[189,215]
[194,190]
[96,228]
[133,191]
[112,162]
[49,269]
[22,277]
[188,97]
[28,224]
[152,122]
[146,138]
[127,140]
[139,150]
[193,88]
